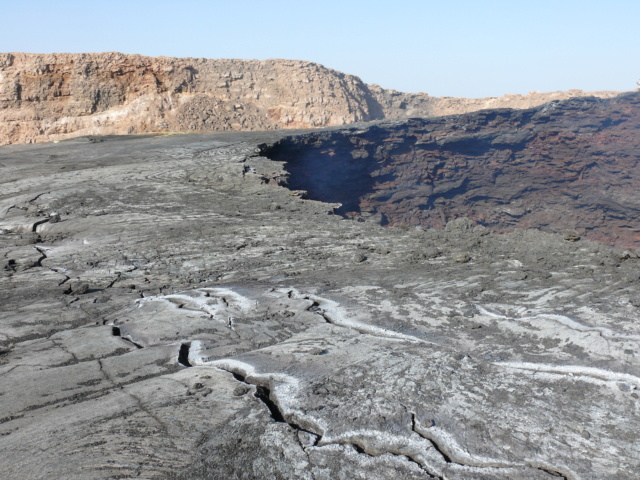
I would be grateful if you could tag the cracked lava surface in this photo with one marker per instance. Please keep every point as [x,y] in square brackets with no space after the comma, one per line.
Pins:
[167,312]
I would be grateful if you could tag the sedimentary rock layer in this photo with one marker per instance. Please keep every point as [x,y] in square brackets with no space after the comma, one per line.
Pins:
[568,165]
[55,96]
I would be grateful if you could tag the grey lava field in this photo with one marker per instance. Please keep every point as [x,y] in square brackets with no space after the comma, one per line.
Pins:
[453,298]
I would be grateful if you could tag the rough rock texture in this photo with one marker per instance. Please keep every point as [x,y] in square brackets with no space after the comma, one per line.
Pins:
[569,165]
[400,105]
[45,97]
[168,312]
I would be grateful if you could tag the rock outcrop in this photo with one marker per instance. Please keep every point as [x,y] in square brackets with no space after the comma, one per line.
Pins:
[568,165]
[45,97]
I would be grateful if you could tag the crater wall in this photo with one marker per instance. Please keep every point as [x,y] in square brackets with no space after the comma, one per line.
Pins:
[567,165]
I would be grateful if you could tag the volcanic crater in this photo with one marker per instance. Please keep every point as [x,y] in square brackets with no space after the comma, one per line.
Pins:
[570,165]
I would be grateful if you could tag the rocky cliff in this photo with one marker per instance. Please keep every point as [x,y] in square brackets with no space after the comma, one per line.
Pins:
[45,97]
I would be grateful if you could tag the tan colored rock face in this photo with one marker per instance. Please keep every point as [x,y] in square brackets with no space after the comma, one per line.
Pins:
[45,97]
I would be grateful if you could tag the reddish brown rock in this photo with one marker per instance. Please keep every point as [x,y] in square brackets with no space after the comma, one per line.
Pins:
[570,165]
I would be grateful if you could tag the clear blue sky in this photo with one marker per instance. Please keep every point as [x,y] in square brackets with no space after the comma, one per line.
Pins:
[445,48]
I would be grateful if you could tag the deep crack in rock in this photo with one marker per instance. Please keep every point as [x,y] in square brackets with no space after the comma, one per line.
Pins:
[263,394]
[38,262]
[38,223]
[435,444]
[183,354]
[116,332]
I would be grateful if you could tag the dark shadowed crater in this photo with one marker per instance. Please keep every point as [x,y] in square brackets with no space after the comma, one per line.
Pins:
[566,165]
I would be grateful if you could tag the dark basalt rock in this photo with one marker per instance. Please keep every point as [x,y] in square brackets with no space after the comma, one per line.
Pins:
[572,164]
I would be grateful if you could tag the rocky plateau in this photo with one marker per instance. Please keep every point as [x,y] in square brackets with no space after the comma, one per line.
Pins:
[198,307]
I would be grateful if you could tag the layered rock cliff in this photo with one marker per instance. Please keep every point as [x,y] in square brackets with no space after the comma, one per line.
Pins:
[46,97]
